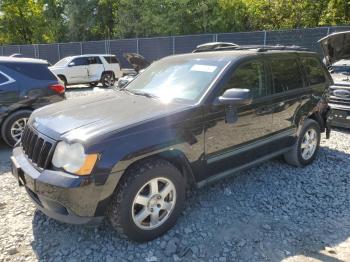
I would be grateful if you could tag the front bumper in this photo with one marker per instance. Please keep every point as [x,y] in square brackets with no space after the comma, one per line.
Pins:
[59,195]
[340,118]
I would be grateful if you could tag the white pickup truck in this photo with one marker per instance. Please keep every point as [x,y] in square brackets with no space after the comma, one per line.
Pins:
[88,69]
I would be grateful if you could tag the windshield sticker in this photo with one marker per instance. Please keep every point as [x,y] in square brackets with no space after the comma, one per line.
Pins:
[204,68]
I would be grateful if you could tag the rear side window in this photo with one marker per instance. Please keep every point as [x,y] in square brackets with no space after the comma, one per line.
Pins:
[32,70]
[286,74]
[250,75]
[314,70]
[94,60]
[111,59]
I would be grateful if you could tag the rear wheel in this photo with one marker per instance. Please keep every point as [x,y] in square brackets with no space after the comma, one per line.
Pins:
[148,200]
[108,79]
[13,126]
[305,149]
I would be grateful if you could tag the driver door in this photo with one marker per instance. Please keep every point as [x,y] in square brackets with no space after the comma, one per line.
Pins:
[233,143]
[78,70]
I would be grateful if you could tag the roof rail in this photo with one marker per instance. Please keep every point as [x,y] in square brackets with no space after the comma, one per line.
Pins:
[225,46]
[213,46]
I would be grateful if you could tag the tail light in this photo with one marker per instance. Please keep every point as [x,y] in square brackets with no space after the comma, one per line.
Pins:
[58,88]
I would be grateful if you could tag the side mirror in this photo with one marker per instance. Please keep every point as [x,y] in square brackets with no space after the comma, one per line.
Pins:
[71,64]
[236,97]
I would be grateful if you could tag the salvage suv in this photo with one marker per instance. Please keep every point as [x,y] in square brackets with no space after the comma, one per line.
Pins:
[336,50]
[88,69]
[186,120]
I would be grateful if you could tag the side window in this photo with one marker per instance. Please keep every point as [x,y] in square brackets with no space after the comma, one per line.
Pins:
[94,60]
[286,74]
[111,59]
[314,70]
[250,75]
[81,61]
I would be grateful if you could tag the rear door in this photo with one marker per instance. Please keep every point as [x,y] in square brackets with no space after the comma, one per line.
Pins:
[78,70]
[288,92]
[95,69]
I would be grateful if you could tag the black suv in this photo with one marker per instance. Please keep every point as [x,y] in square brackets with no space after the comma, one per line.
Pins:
[25,85]
[186,120]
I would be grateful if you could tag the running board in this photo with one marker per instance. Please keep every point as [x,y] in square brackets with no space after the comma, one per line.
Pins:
[232,171]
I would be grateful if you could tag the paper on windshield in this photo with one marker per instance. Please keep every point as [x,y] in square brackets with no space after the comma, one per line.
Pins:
[203,68]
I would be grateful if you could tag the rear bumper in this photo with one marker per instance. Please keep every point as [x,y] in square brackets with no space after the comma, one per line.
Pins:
[59,195]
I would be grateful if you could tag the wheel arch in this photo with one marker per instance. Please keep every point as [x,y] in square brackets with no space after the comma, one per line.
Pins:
[175,157]
[9,113]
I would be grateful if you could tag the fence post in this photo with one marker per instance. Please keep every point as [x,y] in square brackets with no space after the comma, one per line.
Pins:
[81,48]
[265,35]
[137,45]
[173,45]
[59,51]
[36,51]
[328,30]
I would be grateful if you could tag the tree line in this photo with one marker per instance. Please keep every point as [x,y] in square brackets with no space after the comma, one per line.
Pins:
[47,21]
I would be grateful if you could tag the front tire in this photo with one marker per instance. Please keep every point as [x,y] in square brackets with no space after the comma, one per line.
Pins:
[148,200]
[305,149]
[13,126]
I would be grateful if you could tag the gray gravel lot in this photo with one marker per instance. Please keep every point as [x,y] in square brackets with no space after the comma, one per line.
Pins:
[273,212]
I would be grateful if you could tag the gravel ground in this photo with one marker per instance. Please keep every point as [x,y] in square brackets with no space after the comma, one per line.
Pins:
[273,212]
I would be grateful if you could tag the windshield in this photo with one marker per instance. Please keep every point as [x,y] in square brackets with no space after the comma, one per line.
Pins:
[177,79]
[62,62]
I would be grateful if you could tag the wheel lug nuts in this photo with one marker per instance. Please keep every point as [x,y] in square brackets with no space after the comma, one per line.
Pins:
[151,209]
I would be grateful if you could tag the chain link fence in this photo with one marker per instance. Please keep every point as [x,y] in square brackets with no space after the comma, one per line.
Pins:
[157,47]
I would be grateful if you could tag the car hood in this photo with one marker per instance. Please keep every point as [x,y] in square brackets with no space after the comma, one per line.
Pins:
[83,118]
[138,62]
[336,47]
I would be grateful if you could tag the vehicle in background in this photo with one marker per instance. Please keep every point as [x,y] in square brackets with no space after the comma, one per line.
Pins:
[25,85]
[88,69]
[336,49]
[138,63]
[187,120]
[17,55]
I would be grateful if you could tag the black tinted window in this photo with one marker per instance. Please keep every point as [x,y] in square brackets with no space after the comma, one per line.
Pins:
[314,70]
[286,74]
[94,60]
[35,71]
[111,59]
[81,61]
[3,79]
[250,76]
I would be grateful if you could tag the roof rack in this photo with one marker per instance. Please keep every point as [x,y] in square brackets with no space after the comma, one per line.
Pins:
[225,46]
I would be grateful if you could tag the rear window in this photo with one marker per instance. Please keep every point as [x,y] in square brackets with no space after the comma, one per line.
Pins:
[286,74]
[35,71]
[314,70]
[111,59]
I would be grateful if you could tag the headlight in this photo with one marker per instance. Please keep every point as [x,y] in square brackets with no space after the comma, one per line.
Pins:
[72,158]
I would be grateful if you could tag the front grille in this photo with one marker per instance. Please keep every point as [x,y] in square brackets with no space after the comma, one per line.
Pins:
[38,148]
[339,100]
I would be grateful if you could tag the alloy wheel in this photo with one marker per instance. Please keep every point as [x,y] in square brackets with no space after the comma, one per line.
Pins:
[309,144]
[153,203]
[17,128]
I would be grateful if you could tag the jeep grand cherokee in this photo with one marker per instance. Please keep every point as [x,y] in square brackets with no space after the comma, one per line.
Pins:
[187,120]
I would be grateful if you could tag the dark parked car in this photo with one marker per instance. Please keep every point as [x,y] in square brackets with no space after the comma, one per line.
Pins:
[25,85]
[336,49]
[187,120]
